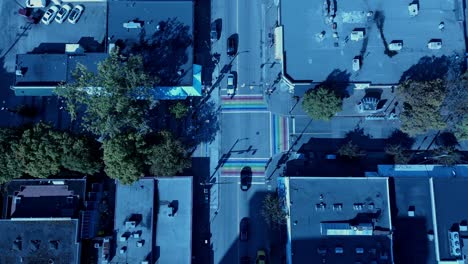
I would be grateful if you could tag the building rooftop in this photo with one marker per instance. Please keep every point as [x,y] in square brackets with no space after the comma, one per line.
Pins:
[450,198]
[44,198]
[313,54]
[52,69]
[174,232]
[134,220]
[39,241]
[339,220]
[412,220]
[161,23]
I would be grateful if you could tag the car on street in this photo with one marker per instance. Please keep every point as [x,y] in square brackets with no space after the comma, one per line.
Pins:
[244,229]
[49,15]
[214,32]
[63,13]
[261,257]
[231,84]
[231,46]
[75,14]
[246,178]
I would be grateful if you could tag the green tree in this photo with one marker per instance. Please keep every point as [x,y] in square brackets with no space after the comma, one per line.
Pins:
[179,110]
[461,129]
[115,99]
[350,150]
[321,103]
[42,152]
[399,154]
[446,155]
[272,211]
[122,157]
[168,157]
[9,166]
[421,106]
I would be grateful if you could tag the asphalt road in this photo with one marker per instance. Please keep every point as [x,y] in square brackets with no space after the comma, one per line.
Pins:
[246,138]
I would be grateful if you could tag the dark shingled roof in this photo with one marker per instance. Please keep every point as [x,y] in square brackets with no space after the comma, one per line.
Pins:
[39,241]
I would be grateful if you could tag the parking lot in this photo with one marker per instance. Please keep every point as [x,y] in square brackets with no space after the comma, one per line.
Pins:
[20,36]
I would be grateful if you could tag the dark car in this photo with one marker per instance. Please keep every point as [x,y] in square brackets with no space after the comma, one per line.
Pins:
[246,178]
[245,260]
[231,46]
[244,229]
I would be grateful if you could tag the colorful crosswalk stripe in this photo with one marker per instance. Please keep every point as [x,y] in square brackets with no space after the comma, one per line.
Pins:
[280,131]
[243,102]
[233,168]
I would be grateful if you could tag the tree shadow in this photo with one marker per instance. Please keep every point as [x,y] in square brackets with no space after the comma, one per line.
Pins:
[399,137]
[166,53]
[357,136]
[427,69]
[447,139]
[338,81]
[203,126]
[379,19]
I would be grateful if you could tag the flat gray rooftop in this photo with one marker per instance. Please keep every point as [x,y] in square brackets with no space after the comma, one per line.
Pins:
[411,243]
[39,241]
[134,202]
[307,192]
[177,17]
[310,58]
[174,233]
[450,200]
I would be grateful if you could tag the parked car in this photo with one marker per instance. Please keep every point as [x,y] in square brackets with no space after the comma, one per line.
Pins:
[49,15]
[231,46]
[244,229]
[261,257]
[231,84]
[63,13]
[75,14]
[214,32]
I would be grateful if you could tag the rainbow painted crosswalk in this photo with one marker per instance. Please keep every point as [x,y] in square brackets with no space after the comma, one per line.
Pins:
[280,133]
[243,103]
[233,168]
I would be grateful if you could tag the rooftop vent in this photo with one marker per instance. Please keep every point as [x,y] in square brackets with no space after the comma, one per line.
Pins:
[123,250]
[133,25]
[320,206]
[130,224]
[359,250]
[140,243]
[413,9]
[411,211]
[357,206]
[17,244]
[136,234]
[53,244]
[339,250]
[123,237]
[434,44]
[357,34]
[337,207]
[371,206]
[454,240]
[35,244]
[19,72]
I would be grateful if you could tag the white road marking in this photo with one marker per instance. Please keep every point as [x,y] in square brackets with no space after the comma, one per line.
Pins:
[318,133]
[238,176]
[265,159]
[244,112]
[271,140]
[294,125]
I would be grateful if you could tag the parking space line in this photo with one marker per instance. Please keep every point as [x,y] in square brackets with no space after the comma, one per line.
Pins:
[237,176]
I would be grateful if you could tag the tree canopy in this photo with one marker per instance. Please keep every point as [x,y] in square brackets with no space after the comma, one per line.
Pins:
[421,106]
[321,103]
[122,157]
[114,100]
[179,110]
[167,158]
[41,152]
[272,211]
[350,150]
[461,129]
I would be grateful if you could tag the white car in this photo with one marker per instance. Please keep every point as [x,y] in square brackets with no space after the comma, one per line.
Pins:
[75,14]
[49,15]
[63,13]
[231,84]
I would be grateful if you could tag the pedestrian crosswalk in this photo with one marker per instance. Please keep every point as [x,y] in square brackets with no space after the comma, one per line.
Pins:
[233,168]
[251,103]
[279,133]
